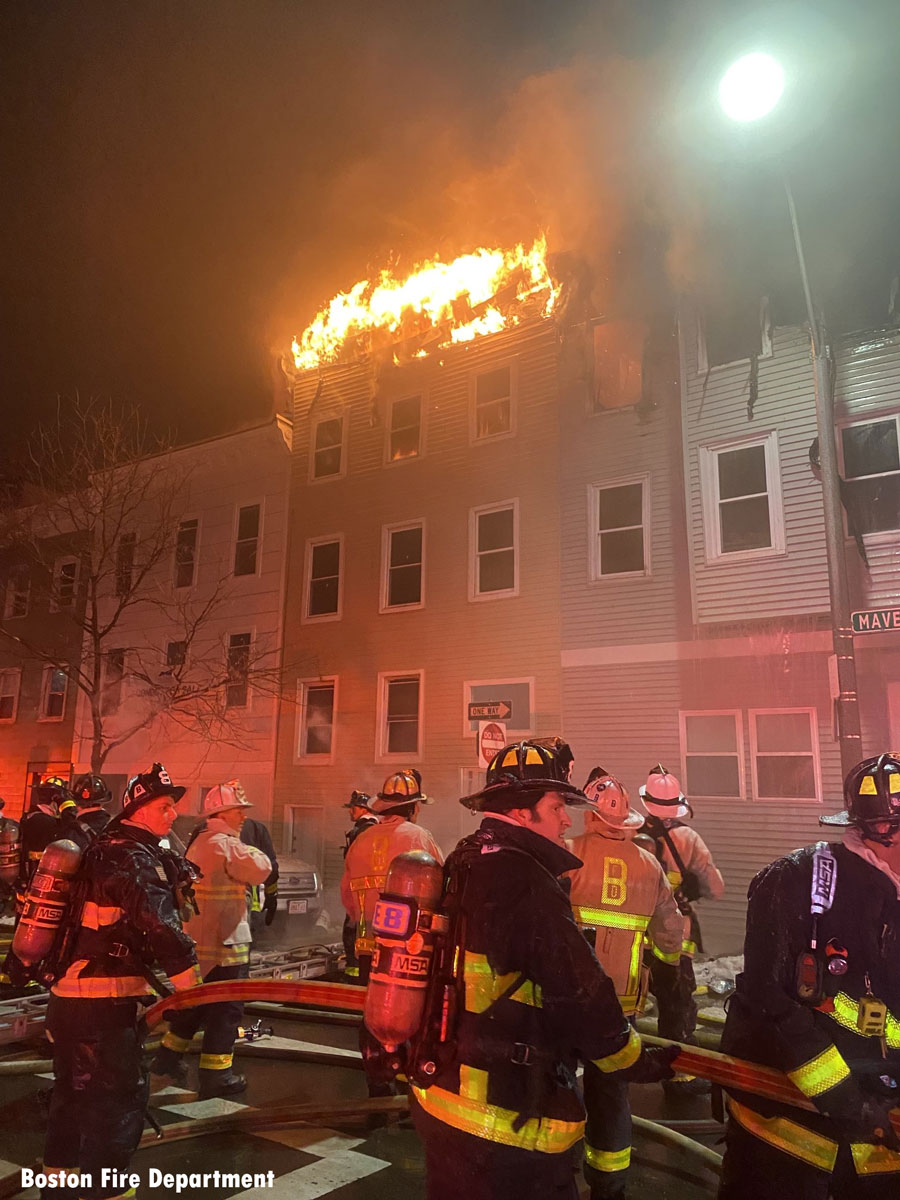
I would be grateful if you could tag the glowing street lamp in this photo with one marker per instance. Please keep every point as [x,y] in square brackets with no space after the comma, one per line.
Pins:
[751,87]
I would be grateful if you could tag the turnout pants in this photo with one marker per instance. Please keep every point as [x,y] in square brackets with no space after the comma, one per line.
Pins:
[607,1135]
[100,1088]
[458,1165]
[674,992]
[756,1169]
[219,1022]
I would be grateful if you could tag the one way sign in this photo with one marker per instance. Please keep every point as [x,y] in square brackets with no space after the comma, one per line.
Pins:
[490,710]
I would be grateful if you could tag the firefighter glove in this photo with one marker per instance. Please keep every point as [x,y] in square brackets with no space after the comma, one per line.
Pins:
[270,905]
[690,886]
[654,1064]
[864,1118]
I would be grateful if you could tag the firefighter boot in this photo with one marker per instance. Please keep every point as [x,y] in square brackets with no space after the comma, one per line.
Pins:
[169,1064]
[220,1083]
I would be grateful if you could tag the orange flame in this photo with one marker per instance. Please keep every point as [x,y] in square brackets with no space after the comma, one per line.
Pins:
[449,300]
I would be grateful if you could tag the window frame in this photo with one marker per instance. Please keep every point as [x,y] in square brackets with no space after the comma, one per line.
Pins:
[247,706]
[60,562]
[182,587]
[468,684]
[254,574]
[17,672]
[382,755]
[45,693]
[486,369]
[303,686]
[126,549]
[19,570]
[388,430]
[765,341]
[320,420]
[875,535]
[476,597]
[386,533]
[812,713]
[737,715]
[318,618]
[594,554]
[711,501]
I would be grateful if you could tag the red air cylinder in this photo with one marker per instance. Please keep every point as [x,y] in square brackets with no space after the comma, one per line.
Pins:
[45,902]
[405,926]
[10,847]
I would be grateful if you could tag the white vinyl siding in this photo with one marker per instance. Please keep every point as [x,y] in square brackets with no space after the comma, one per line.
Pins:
[402,566]
[784,754]
[494,551]
[619,528]
[317,706]
[712,753]
[400,715]
[742,498]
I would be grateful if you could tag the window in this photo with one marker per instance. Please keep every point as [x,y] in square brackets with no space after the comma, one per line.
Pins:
[18,592]
[237,670]
[323,573]
[9,694]
[317,704]
[737,328]
[328,448]
[402,557]
[65,584]
[494,566]
[54,687]
[871,453]
[113,673]
[125,563]
[186,553]
[619,521]
[247,540]
[176,654]
[515,694]
[405,433]
[742,498]
[784,752]
[400,701]
[712,752]
[618,364]
[492,396]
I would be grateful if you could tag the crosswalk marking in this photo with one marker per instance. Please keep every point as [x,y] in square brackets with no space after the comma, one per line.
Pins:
[318,1178]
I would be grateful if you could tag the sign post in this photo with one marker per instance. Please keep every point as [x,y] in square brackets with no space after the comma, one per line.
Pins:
[491,740]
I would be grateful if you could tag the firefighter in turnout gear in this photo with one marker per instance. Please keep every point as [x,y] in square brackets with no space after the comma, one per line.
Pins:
[38,829]
[819,998]
[362,817]
[621,899]
[221,930]
[82,816]
[688,864]
[10,852]
[126,920]
[502,1114]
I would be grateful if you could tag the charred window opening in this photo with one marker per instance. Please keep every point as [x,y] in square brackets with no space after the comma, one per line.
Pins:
[871,453]
[734,330]
[618,364]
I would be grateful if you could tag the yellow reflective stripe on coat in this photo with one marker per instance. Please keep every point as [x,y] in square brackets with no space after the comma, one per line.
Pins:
[484,985]
[602,918]
[98,987]
[845,1012]
[621,1059]
[869,1159]
[787,1135]
[546,1134]
[362,883]
[607,1160]
[473,1083]
[96,916]
[821,1073]
[663,957]
[190,977]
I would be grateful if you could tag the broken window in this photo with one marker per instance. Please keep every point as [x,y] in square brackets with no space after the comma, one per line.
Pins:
[733,330]
[618,364]
[872,474]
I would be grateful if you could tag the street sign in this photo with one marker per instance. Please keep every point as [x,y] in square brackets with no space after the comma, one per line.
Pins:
[491,740]
[490,710]
[875,620]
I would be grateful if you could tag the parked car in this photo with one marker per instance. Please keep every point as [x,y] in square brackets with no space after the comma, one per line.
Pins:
[299,905]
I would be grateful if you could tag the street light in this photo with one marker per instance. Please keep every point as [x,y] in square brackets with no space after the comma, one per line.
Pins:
[749,90]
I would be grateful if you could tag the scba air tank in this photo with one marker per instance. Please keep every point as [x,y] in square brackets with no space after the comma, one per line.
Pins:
[10,849]
[45,902]
[406,925]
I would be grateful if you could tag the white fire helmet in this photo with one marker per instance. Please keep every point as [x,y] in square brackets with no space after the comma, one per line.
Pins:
[225,796]
[609,801]
[662,795]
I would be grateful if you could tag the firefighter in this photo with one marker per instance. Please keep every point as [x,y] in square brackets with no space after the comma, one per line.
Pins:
[819,998]
[503,1114]
[10,851]
[620,897]
[129,920]
[362,817]
[688,864]
[39,828]
[370,854]
[221,930]
[82,816]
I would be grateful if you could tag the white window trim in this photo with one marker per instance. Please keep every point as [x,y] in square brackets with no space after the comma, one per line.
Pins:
[709,494]
[486,369]
[345,429]
[381,753]
[386,531]
[17,671]
[45,692]
[320,618]
[594,575]
[880,536]
[396,462]
[234,537]
[468,684]
[20,568]
[737,714]
[766,351]
[57,567]
[752,714]
[303,686]
[198,518]
[248,707]
[476,597]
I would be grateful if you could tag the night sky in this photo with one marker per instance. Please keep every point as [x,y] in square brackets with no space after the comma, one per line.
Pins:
[184,184]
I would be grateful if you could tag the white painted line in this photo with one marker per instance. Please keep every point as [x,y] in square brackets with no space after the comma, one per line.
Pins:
[45,1075]
[318,1178]
[320,1142]
[8,1168]
[281,1043]
[172,1089]
[218,1106]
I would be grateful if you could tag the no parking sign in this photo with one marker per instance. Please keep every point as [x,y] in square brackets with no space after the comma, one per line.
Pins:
[491,740]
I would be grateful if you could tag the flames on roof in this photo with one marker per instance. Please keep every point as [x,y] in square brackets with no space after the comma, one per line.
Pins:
[437,304]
